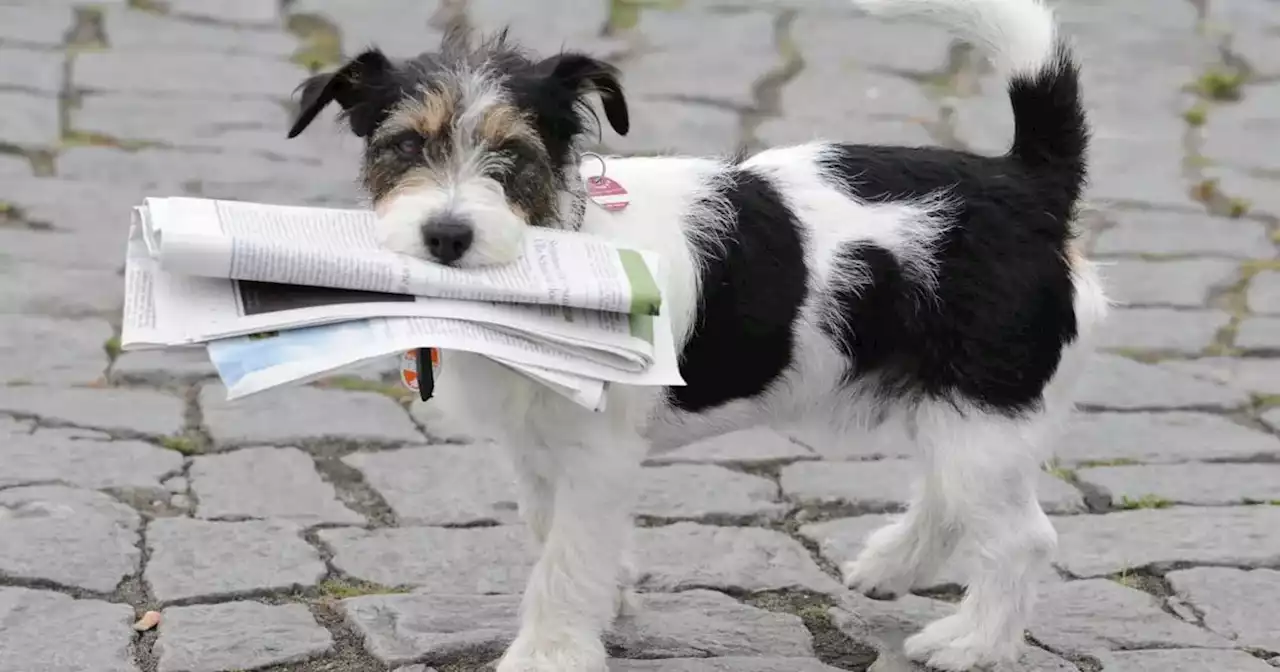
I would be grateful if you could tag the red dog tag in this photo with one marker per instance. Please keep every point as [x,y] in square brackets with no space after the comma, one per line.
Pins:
[607,193]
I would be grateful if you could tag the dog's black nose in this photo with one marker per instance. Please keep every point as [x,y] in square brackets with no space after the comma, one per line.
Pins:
[447,237]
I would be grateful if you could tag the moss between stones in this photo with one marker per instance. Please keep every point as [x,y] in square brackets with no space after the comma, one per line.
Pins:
[183,445]
[341,589]
[831,646]
[321,41]
[1144,502]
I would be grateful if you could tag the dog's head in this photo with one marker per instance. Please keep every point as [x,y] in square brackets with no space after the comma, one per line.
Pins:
[468,146]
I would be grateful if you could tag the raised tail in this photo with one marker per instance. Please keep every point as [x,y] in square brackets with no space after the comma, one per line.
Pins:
[1050,135]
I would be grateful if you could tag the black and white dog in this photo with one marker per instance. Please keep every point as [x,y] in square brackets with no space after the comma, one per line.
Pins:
[826,289]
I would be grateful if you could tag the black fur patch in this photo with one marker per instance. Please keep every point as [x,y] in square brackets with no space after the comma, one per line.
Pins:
[1004,302]
[751,294]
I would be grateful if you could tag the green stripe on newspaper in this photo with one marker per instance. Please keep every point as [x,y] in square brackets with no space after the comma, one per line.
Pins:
[645,297]
[642,327]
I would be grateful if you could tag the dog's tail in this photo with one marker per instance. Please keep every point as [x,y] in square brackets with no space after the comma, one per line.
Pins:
[1020,36]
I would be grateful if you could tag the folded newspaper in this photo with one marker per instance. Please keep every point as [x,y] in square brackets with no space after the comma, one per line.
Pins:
[284,294]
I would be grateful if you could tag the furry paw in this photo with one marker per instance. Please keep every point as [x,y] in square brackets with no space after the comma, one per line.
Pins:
[958,643]
[561,654]
[874,580]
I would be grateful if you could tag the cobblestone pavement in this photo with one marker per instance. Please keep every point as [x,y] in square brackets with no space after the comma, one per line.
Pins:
[322,529]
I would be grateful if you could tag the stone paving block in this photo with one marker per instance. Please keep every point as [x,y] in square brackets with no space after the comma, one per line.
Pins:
[76,207]
[1272,419]
[728,664]
[480,560]
[547,27]
[442,484]
[1238,605]
[176,121]
[362,25]
[866,103]
[129,29]
[706,492]
[202,559]
[40,623]
[156,167]
[759,446]
[728,66]
[1256,193]
[665,126]
[885,485]
[28,119]
[12,165]
[1258,48]
[204,75]
[1259,334]
[1139,171]
[1253,374]
[841,540]
[1162,329]
[894,131]
[71,537]
[1232,132]
[1176,233]
[1160,438]
[238,636]
[227,11]
[1119,383]
[49,455]
[1102,545]
[885,442]
[30,69]
[886,624]
[300,414]
[1182,660]
[53,351]
[824,42]
[162,367]
[273,483]
[37,25]
[401,628]
[1079,617]
[1184,284]
[56,249]
[1194,483]
[688,555]
[113,410]
[30,288]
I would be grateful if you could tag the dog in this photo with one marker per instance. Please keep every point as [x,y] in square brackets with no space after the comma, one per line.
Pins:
[825,288]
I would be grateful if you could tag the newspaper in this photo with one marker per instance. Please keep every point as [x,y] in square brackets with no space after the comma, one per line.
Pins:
[326,247]
[264,334]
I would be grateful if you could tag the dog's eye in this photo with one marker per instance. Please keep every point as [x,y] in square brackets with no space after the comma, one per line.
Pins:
[409,147]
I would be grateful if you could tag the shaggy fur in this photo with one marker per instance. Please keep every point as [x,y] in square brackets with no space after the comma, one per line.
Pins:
[829,290]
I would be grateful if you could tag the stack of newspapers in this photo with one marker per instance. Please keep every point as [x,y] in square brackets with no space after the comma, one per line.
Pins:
[284,294]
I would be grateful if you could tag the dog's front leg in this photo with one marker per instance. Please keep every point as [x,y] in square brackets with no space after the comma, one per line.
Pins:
[572,594]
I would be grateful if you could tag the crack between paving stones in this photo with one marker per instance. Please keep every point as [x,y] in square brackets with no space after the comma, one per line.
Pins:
[352,490]
[766,92]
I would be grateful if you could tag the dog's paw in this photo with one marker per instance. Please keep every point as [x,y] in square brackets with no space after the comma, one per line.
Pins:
[874,580]
[957,643]
[559,654]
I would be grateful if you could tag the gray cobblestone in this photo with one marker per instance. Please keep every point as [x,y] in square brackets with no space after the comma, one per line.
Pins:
[399,629]
[13,165]
[1139,171]
[1182,660]
[886,485]
[76,207]
[688,555]
[1255,193]
[752,447]
[483,560]
[71,537]
[237,636]
[112,410]
[1197,484]
[50,455]
[39,624]
[1162,329]
[1232,132]
[1161,437]
[129,29]
[1119,383]
[442,485]
[179,122]
[1272,419]
[56,248]
[277,483]
[230,11]
[1256,375]
[706,492]
[1261,334]
[156,167]
[703,623]
[208,76]
[549,25]
[44,26]
[728,664]
[1236,604]
[30,69]
[1081,617]
[198,559]
[28,119]
[363,25]
[1175,233]
[30,288]
[1185,284]
[301,414]
[162,367]
[661,125]
[1103,545]
[46,350]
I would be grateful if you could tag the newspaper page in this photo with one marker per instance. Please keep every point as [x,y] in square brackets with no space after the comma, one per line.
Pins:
[338,248]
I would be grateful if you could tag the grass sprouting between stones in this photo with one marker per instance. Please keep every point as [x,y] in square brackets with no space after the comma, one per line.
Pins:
[182,445]
[1144,502]
[112,347]
[1221,84]
[342,589]
[320,42]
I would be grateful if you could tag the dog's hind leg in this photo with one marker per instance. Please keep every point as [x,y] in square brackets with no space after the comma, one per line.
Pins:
[572,596]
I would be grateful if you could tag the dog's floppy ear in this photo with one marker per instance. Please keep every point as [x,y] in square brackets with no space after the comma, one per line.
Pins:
[582,74]
[359,86]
